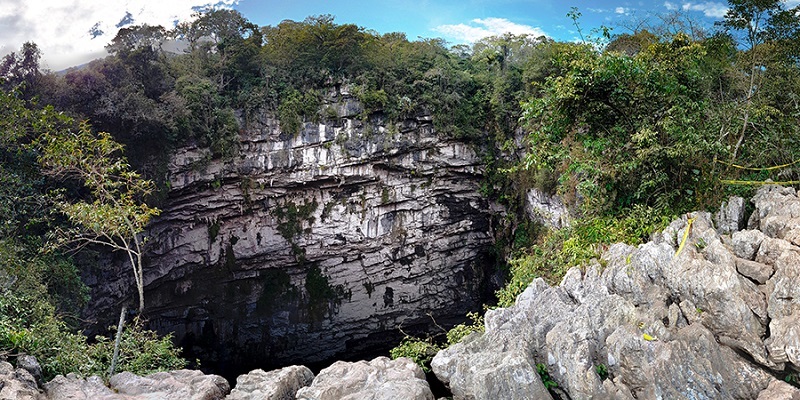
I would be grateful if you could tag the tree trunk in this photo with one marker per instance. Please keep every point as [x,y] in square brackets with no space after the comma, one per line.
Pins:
[116,342]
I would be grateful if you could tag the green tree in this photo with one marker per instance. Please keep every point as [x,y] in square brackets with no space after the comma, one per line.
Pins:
[115,215]
[750,17]
[226,44]
[23,68]
[620,130]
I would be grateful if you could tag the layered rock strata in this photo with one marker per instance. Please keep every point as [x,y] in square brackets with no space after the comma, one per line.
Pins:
[311,245]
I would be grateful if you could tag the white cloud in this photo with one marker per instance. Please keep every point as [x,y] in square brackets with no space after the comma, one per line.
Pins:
[61,28]
[621,10]
[710,9]
[482,28]
[670,6]
[791,3]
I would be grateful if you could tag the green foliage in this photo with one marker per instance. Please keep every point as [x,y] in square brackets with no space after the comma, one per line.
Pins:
[792,378]
[319,288]
[213,231]
[30,321]
[460,331]
[296,107]
[602,371]
[421,351]
[116,213]
[291,217]
[321,294]
[548,382]
[622,130]
[576,245]
[142,352]
[207,118]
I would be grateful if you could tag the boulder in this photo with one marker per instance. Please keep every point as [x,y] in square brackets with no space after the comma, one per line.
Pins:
[379,379]
[73,387]
[746,243]
[174,385]
[731,216]
[17,384]
[280,384]
[30,364]
[779,390]
[756,271]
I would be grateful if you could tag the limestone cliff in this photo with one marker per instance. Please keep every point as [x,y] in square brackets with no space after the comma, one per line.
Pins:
[309,245]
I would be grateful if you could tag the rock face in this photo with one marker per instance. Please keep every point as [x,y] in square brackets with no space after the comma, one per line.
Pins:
[549,210]
[310,245]
[712,321]
[18,384]
[173,385]
[379,379]
[280,384]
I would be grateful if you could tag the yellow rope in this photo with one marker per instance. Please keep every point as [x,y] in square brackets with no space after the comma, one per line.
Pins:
[755,183]
[760,169]
[685,236]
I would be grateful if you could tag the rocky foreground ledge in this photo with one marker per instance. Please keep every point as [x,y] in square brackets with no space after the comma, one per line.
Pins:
[718,320]
[715,318]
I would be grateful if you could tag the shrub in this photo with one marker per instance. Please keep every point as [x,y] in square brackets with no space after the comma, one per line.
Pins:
[421,351]
[576,245]
[30,322]
[461,331]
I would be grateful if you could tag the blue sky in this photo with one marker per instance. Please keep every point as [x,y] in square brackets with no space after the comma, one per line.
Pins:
[71,32]
[465,20]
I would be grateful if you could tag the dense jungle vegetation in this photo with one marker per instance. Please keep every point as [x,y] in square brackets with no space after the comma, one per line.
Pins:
[630,128]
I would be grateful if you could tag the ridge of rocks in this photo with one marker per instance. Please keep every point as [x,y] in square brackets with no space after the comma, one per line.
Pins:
[718,320]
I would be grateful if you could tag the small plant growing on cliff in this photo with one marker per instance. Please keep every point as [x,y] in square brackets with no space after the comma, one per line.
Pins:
[792,378]
[369,287]
[701,244]
[548,382]
[385,196]
[602,371]
[461,331]
[421,351]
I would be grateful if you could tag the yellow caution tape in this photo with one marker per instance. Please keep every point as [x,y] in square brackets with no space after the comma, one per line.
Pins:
[756,183]
[649,338]
[685,236]
[759,169]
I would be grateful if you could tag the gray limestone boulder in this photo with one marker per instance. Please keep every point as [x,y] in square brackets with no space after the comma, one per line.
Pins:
[280,384]
[746,243]
[731,216]
[173,385]
[779,390]
[17,384]
[379,379]
[73,387]
[690,365]
[30,364]
[756,271]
